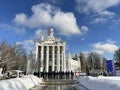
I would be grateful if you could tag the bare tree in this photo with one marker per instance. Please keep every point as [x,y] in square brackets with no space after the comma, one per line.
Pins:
[117,57]
[32,60]
[12,56]
[5,53]
[104,65]
[20,57]
[94,62]
[83,62]
[90,62]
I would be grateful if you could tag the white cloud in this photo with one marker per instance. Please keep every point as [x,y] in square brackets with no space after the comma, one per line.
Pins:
[53,2]
[17,29]
[27,44]
[82,39]
[40,32]
[107,47]
[106,13]
[116,24]
[85,52]
[103,17]
[99,51]
[97,7]
[84,29]
[21,18]
[99,20]
[45,15]
[101,5]
[110,41]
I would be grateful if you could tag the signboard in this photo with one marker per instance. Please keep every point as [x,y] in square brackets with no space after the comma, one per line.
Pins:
[110,67]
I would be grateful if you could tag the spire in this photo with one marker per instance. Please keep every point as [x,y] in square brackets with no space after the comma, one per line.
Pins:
[51,32]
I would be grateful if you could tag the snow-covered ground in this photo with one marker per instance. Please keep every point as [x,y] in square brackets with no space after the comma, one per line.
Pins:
[23,83]
[92,83]
[100,82]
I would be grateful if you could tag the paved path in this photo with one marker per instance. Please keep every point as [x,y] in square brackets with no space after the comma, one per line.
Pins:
[59,85]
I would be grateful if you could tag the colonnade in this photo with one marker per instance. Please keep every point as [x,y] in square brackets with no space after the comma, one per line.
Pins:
[51,60]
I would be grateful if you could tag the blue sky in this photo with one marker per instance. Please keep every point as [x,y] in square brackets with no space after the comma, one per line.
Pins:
[85,25]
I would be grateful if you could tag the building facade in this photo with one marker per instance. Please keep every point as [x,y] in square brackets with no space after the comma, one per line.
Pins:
[50,53]
[73,65]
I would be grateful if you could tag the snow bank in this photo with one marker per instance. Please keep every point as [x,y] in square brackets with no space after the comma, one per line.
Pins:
[23,83]
[101,83]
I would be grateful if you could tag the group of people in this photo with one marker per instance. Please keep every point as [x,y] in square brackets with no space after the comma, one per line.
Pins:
[55,75]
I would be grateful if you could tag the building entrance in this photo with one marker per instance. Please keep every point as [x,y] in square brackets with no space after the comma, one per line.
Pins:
[50,68]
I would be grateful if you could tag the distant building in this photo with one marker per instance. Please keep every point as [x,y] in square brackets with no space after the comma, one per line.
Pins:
[73,65]
[50,54]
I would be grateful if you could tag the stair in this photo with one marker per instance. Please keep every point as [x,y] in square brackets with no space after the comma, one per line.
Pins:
[59,82]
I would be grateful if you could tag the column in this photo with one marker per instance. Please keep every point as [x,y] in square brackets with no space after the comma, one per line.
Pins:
[41,58]
[53,58]
[58,58]
[47,59]
[64,59]
[36,56]
[36,52]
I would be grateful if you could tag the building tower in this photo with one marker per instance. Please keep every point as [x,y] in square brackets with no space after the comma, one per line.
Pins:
[50,53]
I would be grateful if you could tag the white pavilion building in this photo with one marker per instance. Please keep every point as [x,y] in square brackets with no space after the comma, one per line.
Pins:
[50,54]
